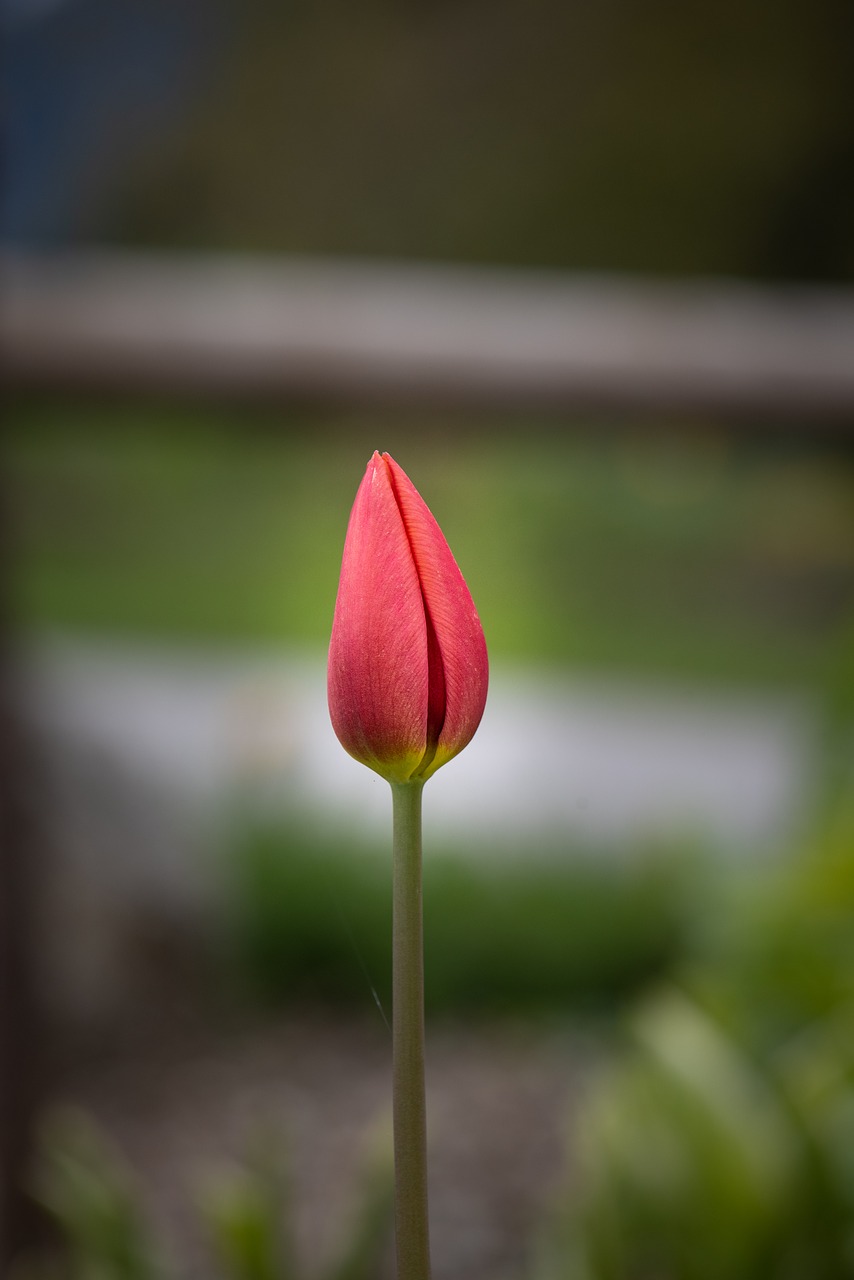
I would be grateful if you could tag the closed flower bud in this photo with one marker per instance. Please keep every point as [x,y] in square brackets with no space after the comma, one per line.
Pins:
[408,670]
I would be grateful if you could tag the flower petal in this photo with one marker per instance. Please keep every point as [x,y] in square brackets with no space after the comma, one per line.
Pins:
[454,619]
[378,665]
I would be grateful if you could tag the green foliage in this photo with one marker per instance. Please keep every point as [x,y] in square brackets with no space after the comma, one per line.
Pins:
[720,1144]
[548,929]
[643,552]
[247,1209]
[85,1185]
[779,955]
[244,1211]
[312,918]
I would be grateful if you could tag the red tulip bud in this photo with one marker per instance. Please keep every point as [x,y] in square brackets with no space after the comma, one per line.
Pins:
[408,669]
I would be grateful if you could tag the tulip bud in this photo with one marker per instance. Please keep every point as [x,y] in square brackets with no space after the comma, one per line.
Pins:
[408,669]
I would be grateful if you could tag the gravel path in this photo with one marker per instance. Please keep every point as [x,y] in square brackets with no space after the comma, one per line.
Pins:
[181,1105]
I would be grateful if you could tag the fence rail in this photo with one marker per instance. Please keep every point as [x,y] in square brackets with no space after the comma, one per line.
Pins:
[349,330]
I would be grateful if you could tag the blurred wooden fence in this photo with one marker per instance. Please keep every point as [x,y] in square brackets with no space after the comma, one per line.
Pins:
[349,331]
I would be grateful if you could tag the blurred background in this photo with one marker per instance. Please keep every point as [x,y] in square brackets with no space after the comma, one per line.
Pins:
[588,274]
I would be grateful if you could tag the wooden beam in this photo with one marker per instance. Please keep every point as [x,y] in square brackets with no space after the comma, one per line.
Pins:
[283,328]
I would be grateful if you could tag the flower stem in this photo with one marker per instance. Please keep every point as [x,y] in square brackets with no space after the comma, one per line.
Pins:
[410,1132]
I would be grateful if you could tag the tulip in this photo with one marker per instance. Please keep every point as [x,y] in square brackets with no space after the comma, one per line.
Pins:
[408,669]
[407,686]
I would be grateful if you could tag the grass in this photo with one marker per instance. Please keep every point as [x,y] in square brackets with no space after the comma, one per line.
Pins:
[644,552]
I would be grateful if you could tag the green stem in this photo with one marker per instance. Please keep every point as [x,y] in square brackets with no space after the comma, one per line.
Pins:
[410,1130]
